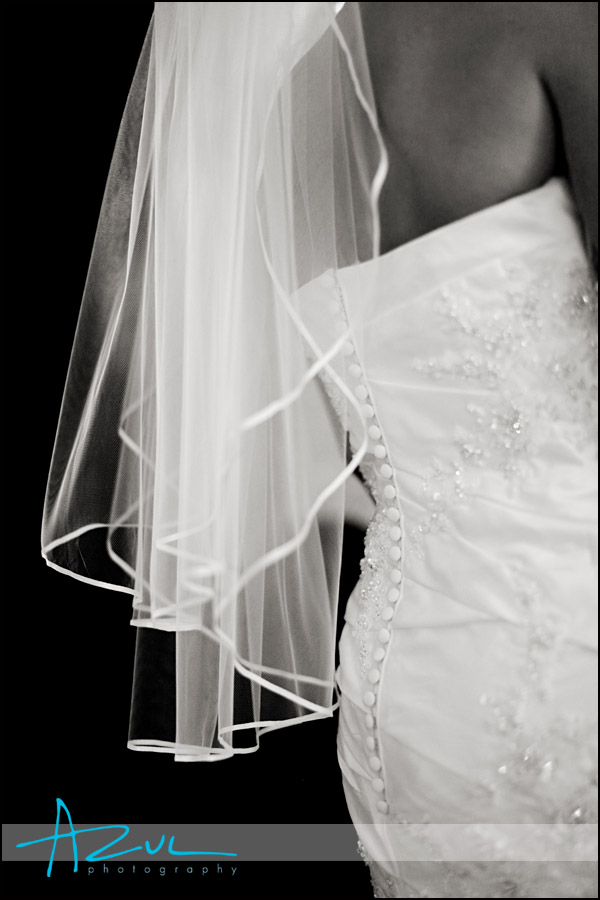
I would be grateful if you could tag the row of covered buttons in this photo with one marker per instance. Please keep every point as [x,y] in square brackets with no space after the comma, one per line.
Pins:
[378,655]
[387,490]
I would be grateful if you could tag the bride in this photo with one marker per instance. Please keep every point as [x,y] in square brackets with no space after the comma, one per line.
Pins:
[358,239]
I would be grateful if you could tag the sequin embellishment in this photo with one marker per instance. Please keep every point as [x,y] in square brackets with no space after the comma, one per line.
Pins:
[533,359]
[538,756]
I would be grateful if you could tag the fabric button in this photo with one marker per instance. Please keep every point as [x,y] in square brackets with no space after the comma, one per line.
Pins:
[383,807]
[380,451]
[395,553]
[348,348]
[369,698]
[378,654]
[369,721]
[383,635]
[373,676]
[378,785]
[374,432]
[387,613]
[389,491]
[393,595]
[375,763]
[370,742]
[368,411]
[328,279]
[386,471]
[393,514]
[395,533]
[396,576]
[355,370]
[361,392]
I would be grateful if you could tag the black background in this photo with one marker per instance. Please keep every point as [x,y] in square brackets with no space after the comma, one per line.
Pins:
[68,647]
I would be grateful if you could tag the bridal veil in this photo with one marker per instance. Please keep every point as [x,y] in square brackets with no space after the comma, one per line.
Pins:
[199,465]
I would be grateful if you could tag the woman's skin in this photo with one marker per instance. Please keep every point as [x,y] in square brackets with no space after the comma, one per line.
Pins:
[480,102]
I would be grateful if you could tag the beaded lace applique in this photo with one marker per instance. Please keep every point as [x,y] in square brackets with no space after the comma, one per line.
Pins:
[539,759]
[545,322]
[535,358]
[444,486]
[373,583]
[336,398]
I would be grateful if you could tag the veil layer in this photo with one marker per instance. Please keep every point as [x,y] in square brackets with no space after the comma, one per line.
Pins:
[199,464]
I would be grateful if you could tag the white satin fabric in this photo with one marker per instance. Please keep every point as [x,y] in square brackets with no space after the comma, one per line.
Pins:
[469,655]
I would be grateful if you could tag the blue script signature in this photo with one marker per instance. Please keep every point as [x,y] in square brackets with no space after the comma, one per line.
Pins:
[95,856]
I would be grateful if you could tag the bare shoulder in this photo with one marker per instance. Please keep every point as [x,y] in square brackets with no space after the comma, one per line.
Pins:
[480,101]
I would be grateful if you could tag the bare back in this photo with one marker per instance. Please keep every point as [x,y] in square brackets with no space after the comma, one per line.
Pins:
[477,105]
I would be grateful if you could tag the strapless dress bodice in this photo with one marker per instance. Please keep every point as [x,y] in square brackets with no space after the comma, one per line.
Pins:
[476,356]
[479,351]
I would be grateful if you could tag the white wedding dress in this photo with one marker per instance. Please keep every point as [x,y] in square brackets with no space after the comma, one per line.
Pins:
[468,658]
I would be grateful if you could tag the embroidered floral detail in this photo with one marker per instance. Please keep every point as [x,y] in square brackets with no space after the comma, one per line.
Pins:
[539,758]
[443,488]
[544,327]
[469,367]
[509,435]
[534,357]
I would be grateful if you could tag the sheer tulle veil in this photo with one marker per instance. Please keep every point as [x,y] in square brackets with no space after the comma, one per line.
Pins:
[199,465]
